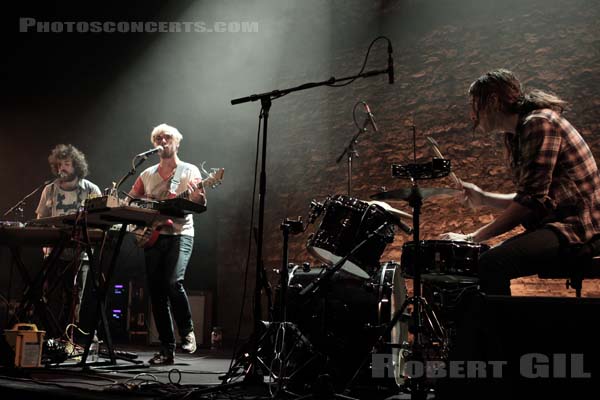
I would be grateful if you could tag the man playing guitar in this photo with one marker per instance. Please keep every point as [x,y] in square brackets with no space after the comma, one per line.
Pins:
[167,259]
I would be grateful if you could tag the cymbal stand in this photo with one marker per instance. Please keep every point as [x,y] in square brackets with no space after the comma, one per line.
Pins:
[420,310]
[437,168]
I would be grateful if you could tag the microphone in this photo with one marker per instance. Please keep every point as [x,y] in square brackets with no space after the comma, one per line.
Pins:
[396,220]
[390,70]
[407,229]
[371,119]
[400,224]
[151,151]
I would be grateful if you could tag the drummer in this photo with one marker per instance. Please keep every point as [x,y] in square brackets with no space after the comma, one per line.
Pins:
[557,196]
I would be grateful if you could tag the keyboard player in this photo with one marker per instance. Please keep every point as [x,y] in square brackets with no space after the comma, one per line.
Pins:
[65,195]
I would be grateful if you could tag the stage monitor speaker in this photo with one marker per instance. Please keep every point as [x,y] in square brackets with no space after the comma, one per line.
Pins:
[547,346]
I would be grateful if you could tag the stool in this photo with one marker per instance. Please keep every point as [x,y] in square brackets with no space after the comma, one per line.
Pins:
[585,261]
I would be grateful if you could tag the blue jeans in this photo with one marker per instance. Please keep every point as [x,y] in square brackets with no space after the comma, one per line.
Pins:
[166,263]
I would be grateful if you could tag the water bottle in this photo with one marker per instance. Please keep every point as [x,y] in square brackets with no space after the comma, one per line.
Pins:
[216,338]
[93,353]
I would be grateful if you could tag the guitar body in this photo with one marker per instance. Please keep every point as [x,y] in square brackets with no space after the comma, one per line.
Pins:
[147,236]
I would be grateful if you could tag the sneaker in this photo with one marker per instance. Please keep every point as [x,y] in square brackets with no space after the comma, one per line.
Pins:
[188,343]
[161,359]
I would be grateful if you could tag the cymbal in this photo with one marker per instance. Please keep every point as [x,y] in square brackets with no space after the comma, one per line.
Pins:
[404,193]
[390,209]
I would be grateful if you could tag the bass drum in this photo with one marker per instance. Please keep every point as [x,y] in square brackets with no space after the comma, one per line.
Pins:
[334,318]
[344,319]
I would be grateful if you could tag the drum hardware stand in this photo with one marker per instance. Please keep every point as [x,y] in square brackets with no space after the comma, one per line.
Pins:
[437,168]
[287,227]
[350,151]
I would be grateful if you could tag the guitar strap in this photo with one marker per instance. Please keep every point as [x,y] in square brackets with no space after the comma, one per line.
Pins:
[176,179]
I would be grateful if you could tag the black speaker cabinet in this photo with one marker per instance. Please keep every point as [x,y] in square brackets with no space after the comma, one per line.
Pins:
[524,346]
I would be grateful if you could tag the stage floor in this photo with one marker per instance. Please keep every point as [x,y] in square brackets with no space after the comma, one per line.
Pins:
[197,376]
[193,376]
[126,379]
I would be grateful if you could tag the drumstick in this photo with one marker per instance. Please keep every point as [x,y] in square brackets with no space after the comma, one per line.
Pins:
[436,149]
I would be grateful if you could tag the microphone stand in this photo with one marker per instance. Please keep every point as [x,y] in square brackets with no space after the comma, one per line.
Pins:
[266,101]
[351,152]
[134,166]
[19,206]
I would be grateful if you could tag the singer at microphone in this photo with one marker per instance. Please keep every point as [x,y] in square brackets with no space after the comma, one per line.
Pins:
[157,149]
[167,259]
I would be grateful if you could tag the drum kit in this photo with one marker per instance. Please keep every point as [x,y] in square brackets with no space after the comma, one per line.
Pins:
[356,305]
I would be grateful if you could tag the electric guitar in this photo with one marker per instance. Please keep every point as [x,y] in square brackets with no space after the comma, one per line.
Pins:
[146,236]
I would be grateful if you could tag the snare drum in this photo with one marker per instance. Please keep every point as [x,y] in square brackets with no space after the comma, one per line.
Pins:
[445,257]
[346,223]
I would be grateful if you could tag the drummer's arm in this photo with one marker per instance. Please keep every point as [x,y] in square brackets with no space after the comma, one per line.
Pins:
[512,216]
[499,200]
[479,197]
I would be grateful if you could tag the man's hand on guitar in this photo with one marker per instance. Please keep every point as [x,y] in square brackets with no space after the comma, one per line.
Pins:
[197,194]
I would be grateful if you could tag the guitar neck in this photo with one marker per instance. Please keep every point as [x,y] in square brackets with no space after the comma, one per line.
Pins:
[186,193]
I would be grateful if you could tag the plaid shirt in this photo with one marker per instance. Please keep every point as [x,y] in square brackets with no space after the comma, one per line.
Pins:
[556,176]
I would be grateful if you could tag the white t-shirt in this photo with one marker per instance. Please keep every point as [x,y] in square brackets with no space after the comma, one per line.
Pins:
[56,201]
[152,186]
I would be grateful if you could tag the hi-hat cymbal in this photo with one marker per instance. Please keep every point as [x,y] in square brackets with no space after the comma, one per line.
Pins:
[391,210]
[404,193]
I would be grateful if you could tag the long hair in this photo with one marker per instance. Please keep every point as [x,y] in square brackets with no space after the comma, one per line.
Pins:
[68,151]
[512,99]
